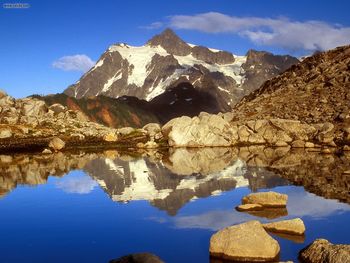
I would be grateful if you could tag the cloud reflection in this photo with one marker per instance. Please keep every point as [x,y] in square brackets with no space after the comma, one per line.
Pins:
[300,204]
[77,185]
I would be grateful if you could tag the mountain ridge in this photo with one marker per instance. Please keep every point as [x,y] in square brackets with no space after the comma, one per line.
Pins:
[166,60]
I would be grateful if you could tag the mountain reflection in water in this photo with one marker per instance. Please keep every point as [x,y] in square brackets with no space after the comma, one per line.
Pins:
[170,180]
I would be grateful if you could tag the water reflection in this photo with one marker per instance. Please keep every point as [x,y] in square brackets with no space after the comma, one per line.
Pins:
[169,180]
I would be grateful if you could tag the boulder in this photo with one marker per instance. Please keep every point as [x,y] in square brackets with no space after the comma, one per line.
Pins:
[46,151]
[110,137]
[152,128]
[205,130]
[138,258]
[33,107]
[322,251]
[294,226]
[125,130]
[249,207]
[6,133]
[266,199]
[244,242]
[57,108]
[56,144]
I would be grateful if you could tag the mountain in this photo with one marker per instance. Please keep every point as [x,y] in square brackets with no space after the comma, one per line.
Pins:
[165,61]
[316,90]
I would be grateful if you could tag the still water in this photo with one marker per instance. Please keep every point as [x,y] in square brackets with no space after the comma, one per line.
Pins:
[93,207]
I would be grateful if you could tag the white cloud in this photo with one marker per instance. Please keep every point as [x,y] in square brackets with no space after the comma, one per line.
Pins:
[281,32]
[77,185]
[79,62]
[154,25]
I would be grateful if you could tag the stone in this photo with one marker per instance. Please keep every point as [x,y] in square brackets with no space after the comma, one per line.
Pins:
[294,226]
[152,128]
[138,258]
[151,145]
[244,242]
[346,148]
[298,144]
[249,207]
[4,134]
[309,145]
[266,199]
[126,130]
[56,144]
[57,108]
[33,107]
[206,130]
[46,151]
[322,251]
[110,137]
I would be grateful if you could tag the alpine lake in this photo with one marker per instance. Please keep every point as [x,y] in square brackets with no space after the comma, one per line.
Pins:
[95,206]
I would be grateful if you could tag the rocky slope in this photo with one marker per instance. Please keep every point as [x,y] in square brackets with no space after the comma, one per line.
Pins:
[127,111]
[29,124]
[166,60]
[313,91]
[115,113]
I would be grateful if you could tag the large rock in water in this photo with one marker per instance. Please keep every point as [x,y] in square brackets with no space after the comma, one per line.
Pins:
[322,251]
[244,242]
[204,130]
[266,199]
[294,226]
[138,258]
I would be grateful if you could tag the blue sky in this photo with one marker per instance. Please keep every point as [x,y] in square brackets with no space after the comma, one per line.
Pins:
[32,39]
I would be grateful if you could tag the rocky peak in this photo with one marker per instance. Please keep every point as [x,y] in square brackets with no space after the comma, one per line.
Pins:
[171,43]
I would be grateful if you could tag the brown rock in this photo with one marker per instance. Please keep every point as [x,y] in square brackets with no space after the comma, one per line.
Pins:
[56,144]
[266,199]
[110,137]
[322,251]
[249,207]
[244,242]
[294,226]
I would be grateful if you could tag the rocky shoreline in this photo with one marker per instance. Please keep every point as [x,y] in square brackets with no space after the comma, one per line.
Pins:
[28,124]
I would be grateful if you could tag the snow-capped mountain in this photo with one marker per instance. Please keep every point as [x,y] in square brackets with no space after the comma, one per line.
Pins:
[166,60]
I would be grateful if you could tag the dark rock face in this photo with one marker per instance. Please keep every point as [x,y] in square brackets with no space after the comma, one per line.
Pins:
[183,100]
[138,258]
[220,57]
[171,43]
[322,251]
[313,91]
[166,60]
[261,66]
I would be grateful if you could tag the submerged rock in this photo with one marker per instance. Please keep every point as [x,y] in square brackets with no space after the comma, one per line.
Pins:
[266,199]
[244,242]
[138,258]
[294,226]
[249,207]
[322,251]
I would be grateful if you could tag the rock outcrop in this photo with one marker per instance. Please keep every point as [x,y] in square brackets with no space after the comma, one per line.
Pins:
[244,242]
[322,251]
[293,226]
